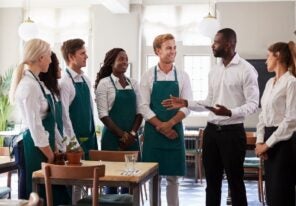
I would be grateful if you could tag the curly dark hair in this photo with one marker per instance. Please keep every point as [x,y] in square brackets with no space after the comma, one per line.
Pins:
[106,69]
[50,78]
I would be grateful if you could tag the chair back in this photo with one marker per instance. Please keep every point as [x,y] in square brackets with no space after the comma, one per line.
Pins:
[111,156]
[251,140]
[4,151]
[51,171]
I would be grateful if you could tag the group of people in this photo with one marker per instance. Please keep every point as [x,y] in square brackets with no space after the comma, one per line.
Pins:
[52,109]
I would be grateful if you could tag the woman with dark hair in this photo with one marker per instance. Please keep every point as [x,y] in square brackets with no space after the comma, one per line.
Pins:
[276,136]
[118,101]
[50,79]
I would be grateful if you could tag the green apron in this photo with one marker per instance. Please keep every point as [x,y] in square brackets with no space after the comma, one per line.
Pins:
[81,116]
[34,157]
[123,114]
[170,154]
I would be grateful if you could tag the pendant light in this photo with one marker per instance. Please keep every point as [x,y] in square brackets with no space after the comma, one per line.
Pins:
[28,29]
[209,25]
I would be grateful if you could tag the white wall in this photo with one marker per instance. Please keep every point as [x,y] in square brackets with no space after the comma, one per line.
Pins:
[258,24]
[10,19]
[115,30]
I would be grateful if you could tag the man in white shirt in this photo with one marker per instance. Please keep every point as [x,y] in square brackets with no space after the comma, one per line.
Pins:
[163,132]
[76,98]
[233,94]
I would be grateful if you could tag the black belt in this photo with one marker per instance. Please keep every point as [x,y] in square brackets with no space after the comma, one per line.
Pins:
[225,127]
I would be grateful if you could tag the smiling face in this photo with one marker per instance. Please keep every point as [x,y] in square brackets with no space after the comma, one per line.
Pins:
[121,63]
[167,52]
[271,61]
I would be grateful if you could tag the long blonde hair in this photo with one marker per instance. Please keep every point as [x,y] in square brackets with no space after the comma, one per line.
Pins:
[33,49]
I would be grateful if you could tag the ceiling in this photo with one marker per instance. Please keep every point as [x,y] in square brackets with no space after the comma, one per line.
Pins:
[115,6]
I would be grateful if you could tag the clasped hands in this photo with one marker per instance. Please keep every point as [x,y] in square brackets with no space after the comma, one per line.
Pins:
[261,149]
[166,128]
[126,140]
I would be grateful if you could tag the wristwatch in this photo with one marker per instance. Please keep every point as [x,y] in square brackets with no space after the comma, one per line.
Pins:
[133,133]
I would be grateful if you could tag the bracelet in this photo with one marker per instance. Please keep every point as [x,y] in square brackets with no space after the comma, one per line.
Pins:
[133,133]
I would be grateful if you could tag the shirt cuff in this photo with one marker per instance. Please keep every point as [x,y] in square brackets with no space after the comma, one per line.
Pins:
[191,104]
[259,139]
[185,110]
[270,142]
[149,115]
[235,112]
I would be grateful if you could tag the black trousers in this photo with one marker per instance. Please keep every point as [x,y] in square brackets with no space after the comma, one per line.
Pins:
[19,154]
[280,171]
[224,149]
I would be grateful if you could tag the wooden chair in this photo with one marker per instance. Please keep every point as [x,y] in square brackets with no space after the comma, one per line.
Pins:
[253,166]
[6,191]
[114,156]
[80,172]
[193,151]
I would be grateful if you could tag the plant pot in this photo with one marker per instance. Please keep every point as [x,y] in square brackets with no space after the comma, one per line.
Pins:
[74,158]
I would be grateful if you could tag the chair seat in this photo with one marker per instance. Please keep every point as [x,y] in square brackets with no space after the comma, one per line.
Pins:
[252,162]
[4,192]
[109,200]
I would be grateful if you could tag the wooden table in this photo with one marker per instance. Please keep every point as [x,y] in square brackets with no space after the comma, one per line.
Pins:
[114,176]
[6,164]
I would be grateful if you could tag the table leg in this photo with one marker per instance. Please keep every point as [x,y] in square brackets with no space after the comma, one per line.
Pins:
[136,195]
[155,193]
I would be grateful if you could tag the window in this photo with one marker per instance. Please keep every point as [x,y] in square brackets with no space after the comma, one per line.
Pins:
[198,68]
[151,60]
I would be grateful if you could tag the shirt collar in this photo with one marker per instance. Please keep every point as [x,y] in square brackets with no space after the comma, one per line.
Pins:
[284,77]
[115,78]
[75,74]
[159,70]
[235,60]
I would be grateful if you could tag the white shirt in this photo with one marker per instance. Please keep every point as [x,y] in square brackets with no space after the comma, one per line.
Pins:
[34,108]
[146,85]
[68,93]
[105,94]
[235,87]
[278,109]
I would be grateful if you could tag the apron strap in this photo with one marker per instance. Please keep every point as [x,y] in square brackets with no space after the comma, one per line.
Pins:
[155,74]
[127,79]
[72,77]
[43,91]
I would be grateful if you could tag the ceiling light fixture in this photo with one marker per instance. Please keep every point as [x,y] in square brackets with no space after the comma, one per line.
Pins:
[210,24]
[28,29]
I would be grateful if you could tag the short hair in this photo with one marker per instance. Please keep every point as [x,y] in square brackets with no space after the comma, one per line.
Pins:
[160,39]
[228,34]
[70,47]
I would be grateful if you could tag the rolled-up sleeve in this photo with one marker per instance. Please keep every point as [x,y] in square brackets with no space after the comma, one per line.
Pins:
[102,100]
[186,92]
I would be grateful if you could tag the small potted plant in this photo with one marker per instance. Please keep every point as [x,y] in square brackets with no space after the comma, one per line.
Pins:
[73,151]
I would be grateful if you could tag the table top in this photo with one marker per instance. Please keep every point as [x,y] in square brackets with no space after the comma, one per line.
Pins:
[10,133]
[115,171]
[9,202]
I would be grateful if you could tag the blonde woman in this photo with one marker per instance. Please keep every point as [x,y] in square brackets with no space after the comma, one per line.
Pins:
[36,106]
[277,125]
